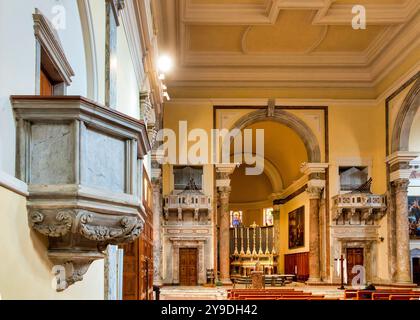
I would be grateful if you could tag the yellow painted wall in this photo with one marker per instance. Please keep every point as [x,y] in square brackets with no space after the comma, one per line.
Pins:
[198,116]
[25,271]
[247,188]
[357,133]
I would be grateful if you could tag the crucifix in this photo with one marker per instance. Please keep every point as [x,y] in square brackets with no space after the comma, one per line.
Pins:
[341,271]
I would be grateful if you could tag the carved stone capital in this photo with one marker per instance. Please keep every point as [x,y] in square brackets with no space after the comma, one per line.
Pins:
[224,193]
[401,185]
[314,192]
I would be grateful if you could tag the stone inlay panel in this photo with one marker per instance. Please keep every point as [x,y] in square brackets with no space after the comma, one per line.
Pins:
[99,169]
[50,142]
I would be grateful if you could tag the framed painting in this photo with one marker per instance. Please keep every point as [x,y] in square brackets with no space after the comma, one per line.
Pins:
[414,217]
[297,228]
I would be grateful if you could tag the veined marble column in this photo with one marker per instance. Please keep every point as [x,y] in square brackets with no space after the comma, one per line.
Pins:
[224,241]
[157,213]
[276,226]
[223,171]
[400,170]
[403,274]
[314,239]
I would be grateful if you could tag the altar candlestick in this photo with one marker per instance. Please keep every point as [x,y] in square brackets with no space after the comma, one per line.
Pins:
[248,251]
[260,252]
[236,241]
[242,241]
[254,251]
[266,241]
[273,249]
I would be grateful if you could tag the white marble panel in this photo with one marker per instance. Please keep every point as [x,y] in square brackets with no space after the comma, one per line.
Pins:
[52,154]
[103,161]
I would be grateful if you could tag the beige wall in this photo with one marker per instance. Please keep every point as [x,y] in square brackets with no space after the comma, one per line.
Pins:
[25,271]
[198,116]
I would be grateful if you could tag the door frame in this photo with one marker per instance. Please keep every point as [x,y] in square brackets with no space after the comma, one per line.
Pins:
[197,265]
[197,243]
[414,253]
[347,261]
[369,255]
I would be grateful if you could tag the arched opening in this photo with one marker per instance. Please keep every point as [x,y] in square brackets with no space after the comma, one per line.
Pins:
[251,198]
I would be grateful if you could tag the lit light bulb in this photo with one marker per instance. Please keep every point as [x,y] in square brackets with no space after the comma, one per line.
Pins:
[165,64]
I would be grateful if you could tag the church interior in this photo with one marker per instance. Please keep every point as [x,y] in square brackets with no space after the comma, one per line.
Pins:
[210,150]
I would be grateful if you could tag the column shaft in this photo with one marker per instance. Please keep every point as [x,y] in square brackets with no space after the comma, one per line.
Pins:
[314,245]
[402,233]
[224,241]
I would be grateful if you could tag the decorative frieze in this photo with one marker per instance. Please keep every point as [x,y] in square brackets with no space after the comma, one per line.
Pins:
[81,196]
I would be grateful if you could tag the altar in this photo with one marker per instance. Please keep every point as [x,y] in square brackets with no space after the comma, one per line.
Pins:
[253,249]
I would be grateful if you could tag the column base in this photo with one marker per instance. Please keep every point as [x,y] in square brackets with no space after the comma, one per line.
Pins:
[314,282]
[404,285]
[158,283]
[226,282]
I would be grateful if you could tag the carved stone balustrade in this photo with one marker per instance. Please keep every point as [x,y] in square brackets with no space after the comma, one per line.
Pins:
[358,207]
[187,201]
[82,164]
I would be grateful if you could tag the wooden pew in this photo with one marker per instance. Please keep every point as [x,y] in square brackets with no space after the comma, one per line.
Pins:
[284,297]
[386,295]
[367,294]
[272,296]
[314,298]
[350,294]
[403,297]
[233,294]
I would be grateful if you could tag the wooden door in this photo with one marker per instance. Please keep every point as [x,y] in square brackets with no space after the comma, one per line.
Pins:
[354,258]
[47,87]
[416,271]
[188,267]
[131,271]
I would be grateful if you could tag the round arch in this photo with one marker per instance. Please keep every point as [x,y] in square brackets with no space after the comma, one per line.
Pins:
[405,118]
[271,172]
[302,129]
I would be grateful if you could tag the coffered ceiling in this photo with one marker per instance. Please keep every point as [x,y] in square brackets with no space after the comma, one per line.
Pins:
[307,43]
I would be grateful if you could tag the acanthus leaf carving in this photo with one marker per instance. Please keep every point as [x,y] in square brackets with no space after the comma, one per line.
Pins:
[59,227]
[130,229]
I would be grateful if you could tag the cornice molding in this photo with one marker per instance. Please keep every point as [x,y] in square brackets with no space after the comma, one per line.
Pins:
[49,40]
[339,69]
[13,184]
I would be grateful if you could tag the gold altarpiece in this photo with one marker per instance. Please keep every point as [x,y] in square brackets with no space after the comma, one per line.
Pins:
[252,248]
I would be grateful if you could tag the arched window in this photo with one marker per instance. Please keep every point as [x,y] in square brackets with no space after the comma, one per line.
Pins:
[235,218]
[268,217]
